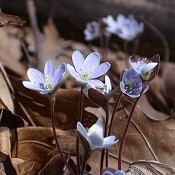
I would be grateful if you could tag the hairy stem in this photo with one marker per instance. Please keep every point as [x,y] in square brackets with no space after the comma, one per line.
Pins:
[78,140]
[105,134]
[52,102]
[126,131]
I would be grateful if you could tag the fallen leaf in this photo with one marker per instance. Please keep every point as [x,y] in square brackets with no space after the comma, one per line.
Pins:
[10,19]
[144,167]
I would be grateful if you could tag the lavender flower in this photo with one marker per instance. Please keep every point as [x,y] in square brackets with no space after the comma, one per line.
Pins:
[92,31]
[86,71]
[143,67]
[94,137]
[131,83]
[47,82]
[119,172]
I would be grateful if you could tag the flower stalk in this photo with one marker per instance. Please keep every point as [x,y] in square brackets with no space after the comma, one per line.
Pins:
[52,99]
[126,130]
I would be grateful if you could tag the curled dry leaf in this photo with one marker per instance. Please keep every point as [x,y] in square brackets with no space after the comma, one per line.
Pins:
[5,145]
[6,166]
[37,107]
[10,19]
[144,167]
[36,147]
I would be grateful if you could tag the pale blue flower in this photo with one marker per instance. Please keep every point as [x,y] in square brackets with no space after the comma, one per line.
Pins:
[92,31]
[119,172]
[125,28]
[95,138]
[45,82]
[87,70]
[131,83]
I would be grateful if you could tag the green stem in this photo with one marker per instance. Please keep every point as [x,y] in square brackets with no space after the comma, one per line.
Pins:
[52,102]
[78,140]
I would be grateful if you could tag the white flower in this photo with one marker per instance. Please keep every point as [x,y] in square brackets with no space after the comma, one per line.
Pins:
[86,71]
[94,136]
[47,82]
[129,27]
[112,26]
[125,28]
[142,67]
[92,31]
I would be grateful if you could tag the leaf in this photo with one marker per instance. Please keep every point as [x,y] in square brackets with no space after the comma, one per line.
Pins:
[5,145]
[7,166]
[10,120]
[144,167]
[97,97]
[55,166]
[37,107]
[36,147]
[10,19]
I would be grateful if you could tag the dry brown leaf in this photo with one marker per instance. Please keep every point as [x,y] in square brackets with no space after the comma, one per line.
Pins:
[150,167]
[36,148]
[5,145]
[10,19]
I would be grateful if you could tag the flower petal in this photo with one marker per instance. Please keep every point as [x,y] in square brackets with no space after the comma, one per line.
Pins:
[72,71]
[78,61]
[96,83]
[147,68]
[31,86]
[49,68]
[46,91]
[59,73]
[92,61]
[101,70]
[35,76]
[107,173]
[109,139]
[82,131]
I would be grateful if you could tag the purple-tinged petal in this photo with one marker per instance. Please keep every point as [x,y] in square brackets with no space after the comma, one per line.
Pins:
[82,81]
[72,71]
[35,76]
[86,89]
[92,61]
[78,61]
[49,68]
[82,131]
[101,70]
[107,173]
[119,172]
[31,86]
[59,73]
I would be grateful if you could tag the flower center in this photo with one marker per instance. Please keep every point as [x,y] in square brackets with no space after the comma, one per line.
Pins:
[127,87]
[48,82]
[85,76]
[147,75]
